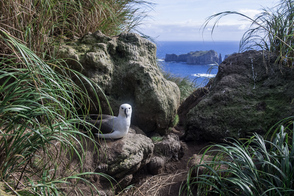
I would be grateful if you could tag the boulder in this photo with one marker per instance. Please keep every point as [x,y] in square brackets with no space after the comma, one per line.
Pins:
[190,102]
[123,157]
[156,165]
[125,68]
[170,147]
[166,149]
[250,93]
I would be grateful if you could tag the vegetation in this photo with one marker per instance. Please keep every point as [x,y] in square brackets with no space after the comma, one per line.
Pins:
[40,24]
[39,105]
[39,101]
[255,167]
[272,30]
[156,139]
[185,85]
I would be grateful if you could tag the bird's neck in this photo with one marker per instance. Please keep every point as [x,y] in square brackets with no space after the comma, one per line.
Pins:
[125,119]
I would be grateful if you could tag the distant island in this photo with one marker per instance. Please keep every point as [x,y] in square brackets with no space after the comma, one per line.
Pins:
[196,58]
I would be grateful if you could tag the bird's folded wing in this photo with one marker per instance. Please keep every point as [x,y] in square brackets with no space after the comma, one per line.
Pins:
[99,116]
[104,124]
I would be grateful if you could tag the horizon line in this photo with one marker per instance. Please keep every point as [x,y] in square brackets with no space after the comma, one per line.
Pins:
[197,41]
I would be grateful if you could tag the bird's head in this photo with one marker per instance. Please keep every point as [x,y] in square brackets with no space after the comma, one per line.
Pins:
[125,110]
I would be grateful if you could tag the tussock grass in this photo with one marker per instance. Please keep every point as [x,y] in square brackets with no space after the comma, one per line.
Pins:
[40,101]
[256,166]
[271,30]
[39,105]
[40,24]
[185,85]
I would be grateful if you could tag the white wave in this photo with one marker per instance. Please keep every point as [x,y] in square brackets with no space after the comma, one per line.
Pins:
[204,75]
[160,60]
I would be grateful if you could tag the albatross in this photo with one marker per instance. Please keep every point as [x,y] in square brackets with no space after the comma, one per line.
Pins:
[113,127]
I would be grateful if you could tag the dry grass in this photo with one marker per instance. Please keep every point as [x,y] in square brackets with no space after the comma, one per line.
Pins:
[41,24]
[157,185]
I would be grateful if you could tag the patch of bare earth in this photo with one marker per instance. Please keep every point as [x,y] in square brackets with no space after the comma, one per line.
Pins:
[169,182]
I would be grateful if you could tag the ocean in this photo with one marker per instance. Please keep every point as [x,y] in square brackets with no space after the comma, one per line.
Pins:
[197,73]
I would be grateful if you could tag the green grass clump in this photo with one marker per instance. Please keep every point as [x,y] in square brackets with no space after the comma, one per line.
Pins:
[185,85]
[40,24]
[39,104]
[156,139]
[272,30]
[255,167]
[40,99]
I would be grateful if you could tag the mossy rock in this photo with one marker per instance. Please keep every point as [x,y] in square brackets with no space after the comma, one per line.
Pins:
[125,68]
[249,94]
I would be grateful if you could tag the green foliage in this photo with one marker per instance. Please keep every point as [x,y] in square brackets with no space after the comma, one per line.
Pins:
[156,139]
[271,30]
[255,167]
[176,120]
[40,100]
[39,105]
[41,23]
[185,85]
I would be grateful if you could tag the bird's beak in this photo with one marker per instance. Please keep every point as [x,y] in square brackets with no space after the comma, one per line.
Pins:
[125,111]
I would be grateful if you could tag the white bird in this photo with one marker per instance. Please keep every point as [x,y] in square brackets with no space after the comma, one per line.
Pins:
[113,127]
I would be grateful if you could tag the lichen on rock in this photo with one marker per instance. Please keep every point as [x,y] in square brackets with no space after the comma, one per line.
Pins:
[250,93]
[126,70]
[125,156]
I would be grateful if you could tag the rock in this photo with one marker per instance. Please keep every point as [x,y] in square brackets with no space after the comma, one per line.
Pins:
[190,102]
[124,182]
[156,165]
[220,59]
[126,70]
[196,58]
[169,148]
[227,55]
[250,93]
[166,149]
[172,57]
[125,156]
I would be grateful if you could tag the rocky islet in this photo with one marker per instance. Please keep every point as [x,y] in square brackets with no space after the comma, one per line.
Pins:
[196,58]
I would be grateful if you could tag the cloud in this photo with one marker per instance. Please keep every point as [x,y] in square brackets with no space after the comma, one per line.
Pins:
[250,12]
[188,32]
[183,20]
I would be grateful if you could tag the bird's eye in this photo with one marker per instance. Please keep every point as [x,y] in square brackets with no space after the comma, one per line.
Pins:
[122,108]
[129,108]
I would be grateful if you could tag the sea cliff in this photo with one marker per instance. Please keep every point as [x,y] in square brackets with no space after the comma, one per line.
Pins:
[196,58]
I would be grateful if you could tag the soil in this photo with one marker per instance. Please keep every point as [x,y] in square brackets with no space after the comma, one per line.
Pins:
[169,182]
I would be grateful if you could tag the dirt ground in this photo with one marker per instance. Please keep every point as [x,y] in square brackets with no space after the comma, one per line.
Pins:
[169,182]
[143,183]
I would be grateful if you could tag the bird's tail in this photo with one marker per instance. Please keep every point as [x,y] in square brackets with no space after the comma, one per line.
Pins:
[113,135]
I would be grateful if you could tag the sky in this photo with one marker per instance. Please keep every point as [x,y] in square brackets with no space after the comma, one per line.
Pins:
[181,20]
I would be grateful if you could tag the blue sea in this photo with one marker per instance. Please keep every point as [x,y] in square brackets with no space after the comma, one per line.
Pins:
[197,73]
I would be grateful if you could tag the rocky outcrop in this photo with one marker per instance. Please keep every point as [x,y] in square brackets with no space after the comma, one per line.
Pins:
[123,157]
[196,58]
[190,102]
[250,93]
[126,70]
[168,148]
[227,55]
